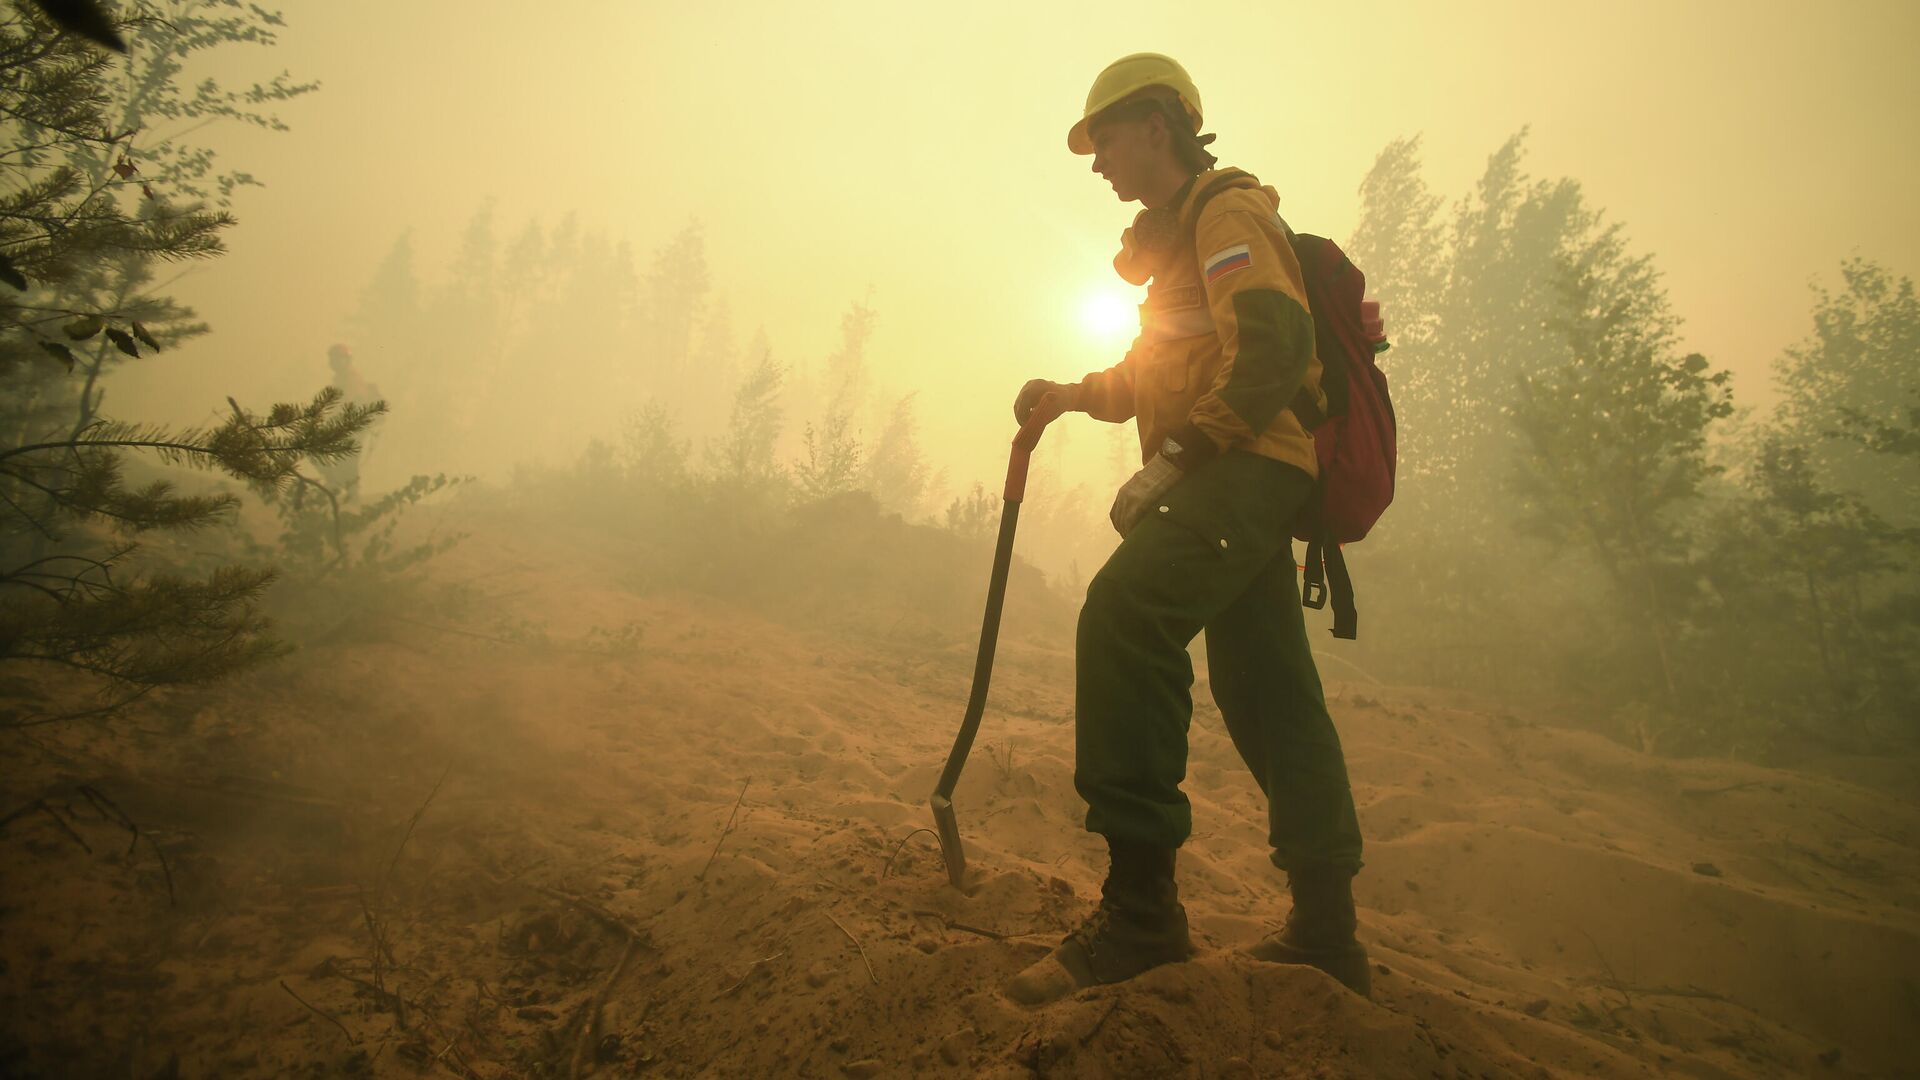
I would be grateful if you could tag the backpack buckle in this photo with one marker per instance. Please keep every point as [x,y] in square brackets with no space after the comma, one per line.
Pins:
[1314,595]
[1313,584]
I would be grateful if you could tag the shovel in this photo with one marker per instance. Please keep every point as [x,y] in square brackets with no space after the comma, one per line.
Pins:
[1049,408]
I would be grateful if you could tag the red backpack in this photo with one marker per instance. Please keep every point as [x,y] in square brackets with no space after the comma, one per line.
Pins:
[1355,441]
[1355,437]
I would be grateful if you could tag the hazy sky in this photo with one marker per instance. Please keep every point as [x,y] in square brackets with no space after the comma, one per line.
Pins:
[917,152]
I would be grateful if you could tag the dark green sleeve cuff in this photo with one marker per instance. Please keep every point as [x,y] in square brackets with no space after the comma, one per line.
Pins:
[1196,447]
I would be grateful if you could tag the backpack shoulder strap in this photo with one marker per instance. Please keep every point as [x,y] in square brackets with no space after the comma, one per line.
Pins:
[1228,179]
[1304,407]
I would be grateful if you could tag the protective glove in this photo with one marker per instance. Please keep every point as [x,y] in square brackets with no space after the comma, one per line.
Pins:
[1036,389]
[1142,492]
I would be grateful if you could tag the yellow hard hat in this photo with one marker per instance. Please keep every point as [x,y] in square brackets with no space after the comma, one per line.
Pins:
[1129,75]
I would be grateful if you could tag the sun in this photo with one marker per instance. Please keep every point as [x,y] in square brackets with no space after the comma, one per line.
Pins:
[1108,315]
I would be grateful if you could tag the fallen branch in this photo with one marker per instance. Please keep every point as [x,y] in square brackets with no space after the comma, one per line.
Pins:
[167,871]
[460,1060]
[322,1015]
[702,875]
[857,945]
[949,922]
[111,811]
[617,923]
[902,846]
[1100,1023]
[47,807]
[380,894]
[66,828]
[590,1021]
[1614,979]
[376,927]
[636,938]
[19,813]
[380,993]
[108,809]
[381,952]
[751,968]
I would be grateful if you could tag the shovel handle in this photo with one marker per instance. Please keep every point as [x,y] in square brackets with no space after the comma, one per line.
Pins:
[1046,412]
[1049,409]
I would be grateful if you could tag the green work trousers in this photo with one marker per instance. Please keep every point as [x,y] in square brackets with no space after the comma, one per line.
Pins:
[1214,554]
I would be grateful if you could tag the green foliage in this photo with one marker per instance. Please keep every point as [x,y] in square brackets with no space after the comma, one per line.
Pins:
[1851,392]
[1400,244]
[171,38]
[1806,563]
[83,230]
[974,515]
[745,453]
[1478,303]
[832,462]
[67,500]
[1579,517]
[841,560]
[652,453]
[1614,453]
[320,538]
[139,635]
[103,179]
[895,470]
[341,566]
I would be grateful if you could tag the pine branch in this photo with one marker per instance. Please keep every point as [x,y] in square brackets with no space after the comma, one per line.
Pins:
[162,631]
[82,228]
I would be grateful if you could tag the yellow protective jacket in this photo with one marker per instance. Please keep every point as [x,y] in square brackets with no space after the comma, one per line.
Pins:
[1226,338]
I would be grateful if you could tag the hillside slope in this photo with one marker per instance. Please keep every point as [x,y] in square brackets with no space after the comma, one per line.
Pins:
[1540,902]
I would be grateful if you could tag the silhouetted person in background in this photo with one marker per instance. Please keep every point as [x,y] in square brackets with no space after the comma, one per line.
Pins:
[343,476]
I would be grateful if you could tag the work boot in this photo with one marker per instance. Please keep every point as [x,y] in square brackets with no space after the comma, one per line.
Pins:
[1138,925]
[1319,929]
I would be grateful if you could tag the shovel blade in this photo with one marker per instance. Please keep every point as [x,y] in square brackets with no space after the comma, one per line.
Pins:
[948,828]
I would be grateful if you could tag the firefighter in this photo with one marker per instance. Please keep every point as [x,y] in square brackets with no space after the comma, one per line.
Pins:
[1217,383]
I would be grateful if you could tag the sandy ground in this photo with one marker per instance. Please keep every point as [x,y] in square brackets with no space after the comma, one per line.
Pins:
[1539,902]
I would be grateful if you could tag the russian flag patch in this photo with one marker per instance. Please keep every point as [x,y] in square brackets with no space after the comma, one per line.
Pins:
[1222,263]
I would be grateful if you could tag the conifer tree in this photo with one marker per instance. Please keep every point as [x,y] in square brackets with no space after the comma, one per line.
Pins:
[81,228]
[831,462]
[832,454]
[897,472]
[745,452]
